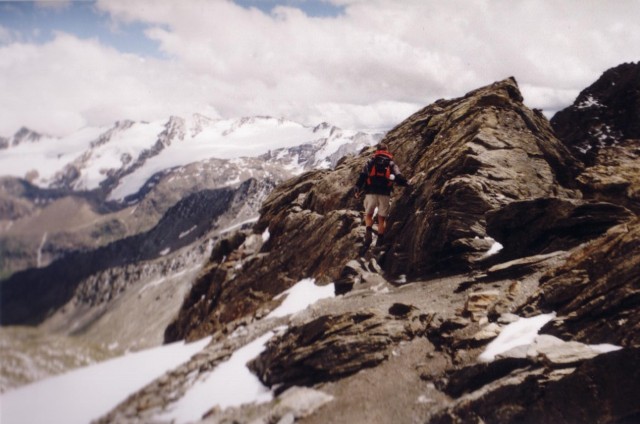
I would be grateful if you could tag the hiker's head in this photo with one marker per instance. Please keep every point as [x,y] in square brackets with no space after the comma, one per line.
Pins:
[383,147]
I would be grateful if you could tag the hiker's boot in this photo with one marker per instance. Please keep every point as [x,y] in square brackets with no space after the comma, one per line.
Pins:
[380,240]
[367,236]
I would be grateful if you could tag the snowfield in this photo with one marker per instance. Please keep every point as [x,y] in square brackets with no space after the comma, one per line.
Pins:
[86,394]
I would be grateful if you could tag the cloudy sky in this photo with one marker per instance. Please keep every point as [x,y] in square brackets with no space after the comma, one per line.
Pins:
[355,63]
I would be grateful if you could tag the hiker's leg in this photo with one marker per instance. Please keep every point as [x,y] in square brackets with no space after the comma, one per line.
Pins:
[368,220]
[369,209]
[381,224]
[384,204]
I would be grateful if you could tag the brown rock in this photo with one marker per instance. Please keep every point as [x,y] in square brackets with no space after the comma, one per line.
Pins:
[615,175]
[596,292]
[601,390]
[468,156]
[544,225]
[479,303]
[330,347]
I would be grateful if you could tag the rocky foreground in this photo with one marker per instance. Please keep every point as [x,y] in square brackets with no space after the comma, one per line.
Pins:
[402,339]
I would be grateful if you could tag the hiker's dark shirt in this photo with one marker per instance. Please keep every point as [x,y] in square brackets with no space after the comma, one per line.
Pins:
[385,190]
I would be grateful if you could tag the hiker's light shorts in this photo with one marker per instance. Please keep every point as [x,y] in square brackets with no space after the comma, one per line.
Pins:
[380,201]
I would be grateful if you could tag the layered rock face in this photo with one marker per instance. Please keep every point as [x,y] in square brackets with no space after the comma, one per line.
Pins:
[597,291]
[469,156]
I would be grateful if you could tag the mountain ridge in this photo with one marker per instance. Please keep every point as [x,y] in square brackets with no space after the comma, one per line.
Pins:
[135,192]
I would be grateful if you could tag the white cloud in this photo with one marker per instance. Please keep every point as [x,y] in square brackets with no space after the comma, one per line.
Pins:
[369,67]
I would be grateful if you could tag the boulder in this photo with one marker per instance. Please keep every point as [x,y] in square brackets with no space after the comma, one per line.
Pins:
[602,389]
[544,225]
[596,292]
[334,346]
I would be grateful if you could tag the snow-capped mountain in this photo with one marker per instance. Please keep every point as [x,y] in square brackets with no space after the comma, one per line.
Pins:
[98,185]
[119,160]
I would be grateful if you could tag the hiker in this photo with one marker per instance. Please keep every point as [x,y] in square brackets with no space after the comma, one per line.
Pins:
[376,181]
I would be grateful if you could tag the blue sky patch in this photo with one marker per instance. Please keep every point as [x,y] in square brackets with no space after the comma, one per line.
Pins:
[32,23]
[313,8]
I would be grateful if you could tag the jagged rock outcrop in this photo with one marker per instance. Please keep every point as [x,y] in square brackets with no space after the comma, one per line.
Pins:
[596,292]
[265,269]
[602,128]
[476,154]
[604,114]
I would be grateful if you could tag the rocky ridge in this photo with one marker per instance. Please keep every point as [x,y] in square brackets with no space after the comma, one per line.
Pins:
[403,336]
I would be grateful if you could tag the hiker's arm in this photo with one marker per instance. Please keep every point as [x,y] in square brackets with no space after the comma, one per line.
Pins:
[362,178]
[399,178]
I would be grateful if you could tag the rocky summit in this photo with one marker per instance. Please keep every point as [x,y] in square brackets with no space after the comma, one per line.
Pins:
[506,288]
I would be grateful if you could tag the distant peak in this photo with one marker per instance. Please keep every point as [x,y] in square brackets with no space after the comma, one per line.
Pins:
[24,134]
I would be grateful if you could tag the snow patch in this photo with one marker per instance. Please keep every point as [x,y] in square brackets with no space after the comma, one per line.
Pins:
[86,394]
[300,296]
[266,235]
[229,384]
[186,233]
[495,248]
[590,101]
[39,252]
[519,333]
[236,226]
[605,348]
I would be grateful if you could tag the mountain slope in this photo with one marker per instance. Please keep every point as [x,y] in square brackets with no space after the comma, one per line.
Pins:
[30,296]
[120,159]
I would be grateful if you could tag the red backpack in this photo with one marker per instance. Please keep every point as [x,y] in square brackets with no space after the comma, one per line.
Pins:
[380,172]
